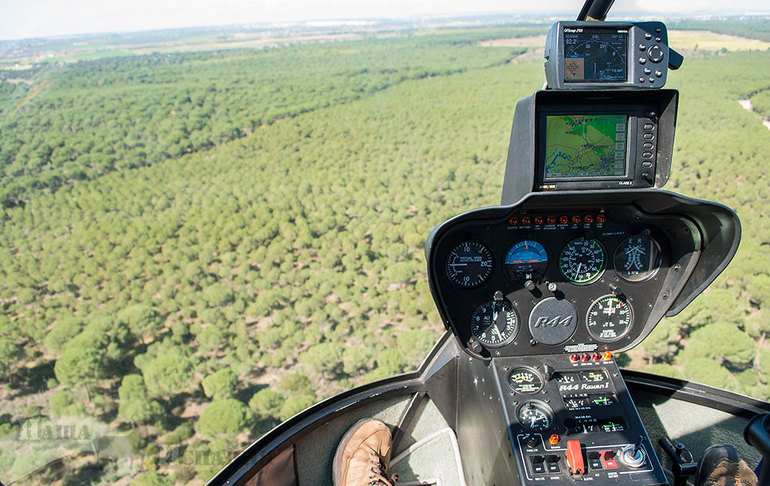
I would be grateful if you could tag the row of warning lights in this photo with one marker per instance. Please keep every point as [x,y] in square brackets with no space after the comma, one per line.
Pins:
[539,220]
[585,357]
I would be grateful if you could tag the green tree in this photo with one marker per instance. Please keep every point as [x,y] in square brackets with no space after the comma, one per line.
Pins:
[295,383]
[65,404]
[141,319]
[227,416]
[736,349]
[63,331]
[321,358]
[267,403]
[81,361]
[168,374]
[10,352]
[414,344]
[221,384]
[152,479]
[355,359]
[294,405]
[134,405]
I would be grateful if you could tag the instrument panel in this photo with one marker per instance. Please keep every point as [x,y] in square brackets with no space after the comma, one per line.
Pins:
[548,280]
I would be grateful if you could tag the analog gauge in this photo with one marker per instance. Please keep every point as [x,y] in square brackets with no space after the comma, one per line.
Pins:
[609,319]
[494,324]
[535,416]
[638,258]
[582,260]
[526,260]
[525,380]
[469,264]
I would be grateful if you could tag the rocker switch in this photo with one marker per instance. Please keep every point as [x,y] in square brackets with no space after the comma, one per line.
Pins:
[608,459]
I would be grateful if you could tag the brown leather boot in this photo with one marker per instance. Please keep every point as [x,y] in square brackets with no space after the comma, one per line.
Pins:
[722,465]
[363,456]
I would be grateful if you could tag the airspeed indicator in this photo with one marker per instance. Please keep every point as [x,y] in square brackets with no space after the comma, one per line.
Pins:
[582,260]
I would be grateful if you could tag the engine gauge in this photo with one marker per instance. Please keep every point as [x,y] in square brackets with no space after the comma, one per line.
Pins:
[526,260]
[495,323]
[582,260]
[469,264]
[535,416]
[638,258]
[609,319]
[525,380]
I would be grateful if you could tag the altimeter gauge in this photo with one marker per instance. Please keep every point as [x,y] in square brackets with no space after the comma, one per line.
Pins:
[609,319]
[469,264]
[582,260]
[494,323]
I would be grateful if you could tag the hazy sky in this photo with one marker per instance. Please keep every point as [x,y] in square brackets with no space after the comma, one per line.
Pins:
[42,18]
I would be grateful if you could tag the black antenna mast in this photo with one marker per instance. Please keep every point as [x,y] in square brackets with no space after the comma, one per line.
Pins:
[595,10]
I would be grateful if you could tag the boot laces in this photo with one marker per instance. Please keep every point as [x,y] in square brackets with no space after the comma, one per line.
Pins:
[378,475]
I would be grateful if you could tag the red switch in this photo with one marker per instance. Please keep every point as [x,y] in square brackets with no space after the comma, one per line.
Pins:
[575,457]
[608,460]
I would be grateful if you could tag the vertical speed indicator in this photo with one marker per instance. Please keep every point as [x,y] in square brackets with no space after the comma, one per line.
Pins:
[469,264]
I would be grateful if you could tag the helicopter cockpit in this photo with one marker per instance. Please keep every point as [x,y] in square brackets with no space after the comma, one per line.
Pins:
[584,256]
[587,258]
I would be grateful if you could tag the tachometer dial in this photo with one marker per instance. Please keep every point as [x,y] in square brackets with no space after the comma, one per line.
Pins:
[495,323]
[638,258]
[469,264]
[535,416]
[526,260]
[525,380]
[582,260]
[609,319]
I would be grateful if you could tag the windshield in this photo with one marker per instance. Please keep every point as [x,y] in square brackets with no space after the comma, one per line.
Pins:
[205,230]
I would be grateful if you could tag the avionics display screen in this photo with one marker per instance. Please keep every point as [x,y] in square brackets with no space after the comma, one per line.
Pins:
[585,146]
[595,56]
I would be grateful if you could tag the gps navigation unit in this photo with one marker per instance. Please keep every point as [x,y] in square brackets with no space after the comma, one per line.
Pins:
[584,55]
[566,141]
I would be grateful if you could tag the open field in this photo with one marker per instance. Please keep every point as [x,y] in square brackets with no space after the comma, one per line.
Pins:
[692,40]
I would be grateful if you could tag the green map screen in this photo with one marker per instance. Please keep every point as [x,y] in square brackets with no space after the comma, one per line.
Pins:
[585,146]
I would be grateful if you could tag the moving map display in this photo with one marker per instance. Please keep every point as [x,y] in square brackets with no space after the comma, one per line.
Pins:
[594,56]
[585,146]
